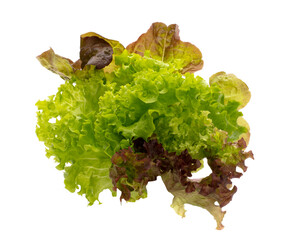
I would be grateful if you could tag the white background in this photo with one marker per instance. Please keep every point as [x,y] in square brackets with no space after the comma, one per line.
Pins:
[248,38]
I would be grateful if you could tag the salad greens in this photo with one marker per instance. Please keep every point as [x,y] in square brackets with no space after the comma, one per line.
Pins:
[125,116]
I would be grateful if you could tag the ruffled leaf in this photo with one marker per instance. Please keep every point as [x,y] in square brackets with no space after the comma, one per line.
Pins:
[207,191]
[144,127]
[163,43]
[131,172]
[66,126]
[90,174]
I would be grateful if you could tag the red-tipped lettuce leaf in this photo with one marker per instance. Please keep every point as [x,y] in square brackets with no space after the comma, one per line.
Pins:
[97,50]
[163,43]
[57,64]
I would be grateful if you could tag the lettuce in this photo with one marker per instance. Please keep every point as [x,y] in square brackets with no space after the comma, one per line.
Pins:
[125,116]
[163,43]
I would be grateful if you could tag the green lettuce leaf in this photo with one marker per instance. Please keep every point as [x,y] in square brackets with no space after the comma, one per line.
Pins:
[89,173]
[181,110]
[246,136]
[66,126]
[163,43]
[232,87]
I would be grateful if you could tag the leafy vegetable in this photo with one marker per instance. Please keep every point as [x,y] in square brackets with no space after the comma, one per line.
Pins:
[66,126]
[123,117]
[97,50]
[164,44]
[57,64]
[233,88]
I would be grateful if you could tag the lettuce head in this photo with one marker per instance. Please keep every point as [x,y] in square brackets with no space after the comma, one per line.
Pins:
[125,116]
